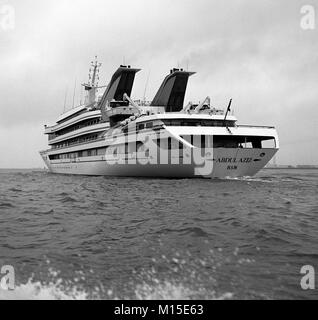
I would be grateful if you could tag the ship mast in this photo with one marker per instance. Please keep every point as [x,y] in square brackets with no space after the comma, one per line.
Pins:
[92,85]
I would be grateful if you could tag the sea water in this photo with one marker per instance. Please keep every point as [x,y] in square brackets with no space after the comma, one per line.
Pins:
[78,237]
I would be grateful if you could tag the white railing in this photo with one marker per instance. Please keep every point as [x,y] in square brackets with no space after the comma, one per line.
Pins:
[251,126]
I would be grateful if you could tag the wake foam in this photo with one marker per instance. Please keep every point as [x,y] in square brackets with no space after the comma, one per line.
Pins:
[162,291]
[173,291]
[37,291]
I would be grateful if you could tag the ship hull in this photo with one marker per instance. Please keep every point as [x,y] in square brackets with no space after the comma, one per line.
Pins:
[223,163]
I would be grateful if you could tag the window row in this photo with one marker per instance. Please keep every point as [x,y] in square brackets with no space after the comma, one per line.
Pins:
[199,123]
[76,141]
[80,125]
[79,154]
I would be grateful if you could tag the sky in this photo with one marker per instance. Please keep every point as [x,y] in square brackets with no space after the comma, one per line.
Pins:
[255,52]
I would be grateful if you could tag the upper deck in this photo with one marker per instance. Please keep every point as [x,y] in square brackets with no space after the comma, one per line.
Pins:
[72,119]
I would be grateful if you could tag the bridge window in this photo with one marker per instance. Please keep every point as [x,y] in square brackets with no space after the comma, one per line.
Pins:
[203,141]
[246,142]
[149,125]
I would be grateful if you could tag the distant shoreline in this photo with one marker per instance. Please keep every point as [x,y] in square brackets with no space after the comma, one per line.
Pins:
[22,169]
[289,168]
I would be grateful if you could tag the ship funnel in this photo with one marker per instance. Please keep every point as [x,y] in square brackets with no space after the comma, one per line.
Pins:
[121,83]
[172,91]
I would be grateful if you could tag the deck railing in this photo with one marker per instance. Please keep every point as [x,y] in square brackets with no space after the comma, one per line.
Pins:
[251,126]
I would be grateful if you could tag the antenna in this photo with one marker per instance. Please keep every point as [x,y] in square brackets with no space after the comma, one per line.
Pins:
[94,73]
[64,109]
[74,93]
[93,82]
[146,86]
[81,99]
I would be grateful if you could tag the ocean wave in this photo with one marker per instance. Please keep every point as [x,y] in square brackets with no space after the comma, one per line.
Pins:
[68,199]
[6,205]
[15,190]
[294,178]
[251,179]
[195,231]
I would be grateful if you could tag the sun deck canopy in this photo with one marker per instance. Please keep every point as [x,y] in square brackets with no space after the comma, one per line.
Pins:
[172,91]
[122,82]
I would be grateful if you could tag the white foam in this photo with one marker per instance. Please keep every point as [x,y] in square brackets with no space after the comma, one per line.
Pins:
[159,291]
[172,291]
[37,291]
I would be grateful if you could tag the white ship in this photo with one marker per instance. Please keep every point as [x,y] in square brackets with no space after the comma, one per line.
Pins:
[116,136]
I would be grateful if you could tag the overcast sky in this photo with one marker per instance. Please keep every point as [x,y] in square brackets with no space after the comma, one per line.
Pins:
[252,51]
